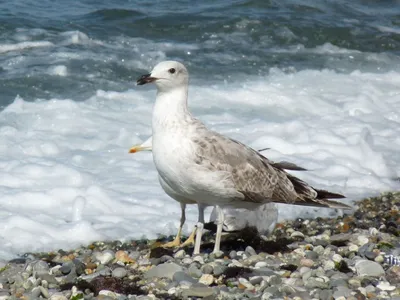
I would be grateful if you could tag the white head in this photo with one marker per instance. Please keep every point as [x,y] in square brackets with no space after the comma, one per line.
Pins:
[167,75]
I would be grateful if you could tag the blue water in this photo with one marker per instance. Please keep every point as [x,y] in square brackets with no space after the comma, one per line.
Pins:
[70,49]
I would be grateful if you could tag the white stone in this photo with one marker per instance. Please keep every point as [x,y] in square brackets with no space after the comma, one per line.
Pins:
[337,258]
[206,279]
[353,248]
[104,257]
[362,240]
[260,264]
[385,286]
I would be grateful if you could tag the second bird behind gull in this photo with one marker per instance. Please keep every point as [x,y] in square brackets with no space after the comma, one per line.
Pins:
[210,169]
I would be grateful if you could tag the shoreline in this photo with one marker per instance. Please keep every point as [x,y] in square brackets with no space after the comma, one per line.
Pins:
[322,258]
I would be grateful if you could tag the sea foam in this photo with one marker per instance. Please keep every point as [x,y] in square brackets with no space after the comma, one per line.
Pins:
[66,176]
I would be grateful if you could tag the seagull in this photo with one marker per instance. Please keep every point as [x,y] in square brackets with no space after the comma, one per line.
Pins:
[207,168]
[236,219]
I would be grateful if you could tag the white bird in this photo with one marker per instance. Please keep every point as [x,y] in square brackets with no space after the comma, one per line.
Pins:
[264,218]
[210,169]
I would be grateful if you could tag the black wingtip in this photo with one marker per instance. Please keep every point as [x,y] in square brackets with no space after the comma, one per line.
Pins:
[322,194]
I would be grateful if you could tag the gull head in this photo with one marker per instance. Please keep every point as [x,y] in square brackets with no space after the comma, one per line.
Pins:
[166,75]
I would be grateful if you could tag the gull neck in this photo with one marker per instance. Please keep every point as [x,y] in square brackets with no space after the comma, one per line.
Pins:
[170,108]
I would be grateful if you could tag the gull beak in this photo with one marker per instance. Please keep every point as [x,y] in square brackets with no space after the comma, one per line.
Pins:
[138,148]
[145,79]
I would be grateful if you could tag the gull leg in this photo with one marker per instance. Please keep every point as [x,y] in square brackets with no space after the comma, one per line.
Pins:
[220,223]
[191,239]
[199,229]
[177,241]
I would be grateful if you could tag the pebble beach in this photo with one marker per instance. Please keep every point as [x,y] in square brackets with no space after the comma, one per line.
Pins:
[348,257]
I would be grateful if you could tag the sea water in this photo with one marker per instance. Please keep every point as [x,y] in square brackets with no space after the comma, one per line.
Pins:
[316,82]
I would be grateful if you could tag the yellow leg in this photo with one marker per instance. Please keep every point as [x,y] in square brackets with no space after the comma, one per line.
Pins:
[176,242]
[190,239]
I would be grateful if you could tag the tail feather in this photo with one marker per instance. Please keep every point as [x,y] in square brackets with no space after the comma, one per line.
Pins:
[309,196]
[322,194]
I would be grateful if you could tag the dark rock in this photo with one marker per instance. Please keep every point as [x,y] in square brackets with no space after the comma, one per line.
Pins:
[340,240]
[232,272]
[160,251]
[342,267]
[289,267]
[79,267]
[66,267]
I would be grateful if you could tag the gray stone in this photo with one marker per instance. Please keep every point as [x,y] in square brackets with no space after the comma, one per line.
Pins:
[338,282]
[180,276]
[342,291]
[369,268]
[155,261]
[79,267]
[180,254]
[36,292]
[274,280]
[218,254]
[207,269]
[44,292]
[233,254]
[40,267]
[119,272]
[218,270]
[340,238]
[198,291]
[166,258]
[104,272]
[17,280]
[370,255]
[316,282]
[49,278]
[194,271]
[163,270]
[311,255]
[134,255]
[263,272]
[250,251]
[66,268]
[325,295]
[255,280]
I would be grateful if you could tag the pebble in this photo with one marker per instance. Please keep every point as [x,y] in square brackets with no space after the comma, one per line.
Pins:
[385,286]
[261,264]
[66,268]
[207,269]
[369,268]
[297,235]
[353,248]
[195,291]
[218,270]
[329,265]
[233,254]
[250,251]
[180,254]
[163,270]
[40,267]
[306,262]
[104,257]
[206,279]
[119,272]
[194,271]
[318,263]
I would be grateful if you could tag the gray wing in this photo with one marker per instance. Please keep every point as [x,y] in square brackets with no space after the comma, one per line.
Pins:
[256,178]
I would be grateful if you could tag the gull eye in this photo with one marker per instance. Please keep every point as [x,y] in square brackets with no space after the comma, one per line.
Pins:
[172,70]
